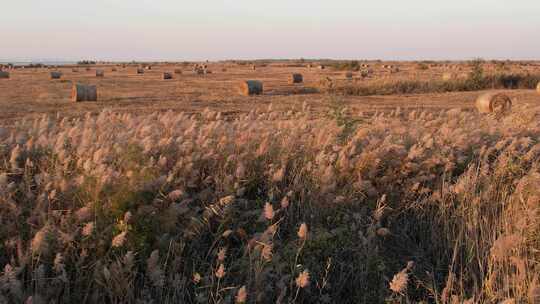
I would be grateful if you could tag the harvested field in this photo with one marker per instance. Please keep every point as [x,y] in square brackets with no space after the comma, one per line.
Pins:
[345,190]
[30,92]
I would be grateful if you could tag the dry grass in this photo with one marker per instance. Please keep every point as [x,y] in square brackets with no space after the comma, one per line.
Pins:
[271,206]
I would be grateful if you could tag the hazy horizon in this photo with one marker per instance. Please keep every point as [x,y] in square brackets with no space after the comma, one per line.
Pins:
[168,30]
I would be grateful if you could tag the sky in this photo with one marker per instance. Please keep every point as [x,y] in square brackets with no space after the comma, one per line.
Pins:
[160,30]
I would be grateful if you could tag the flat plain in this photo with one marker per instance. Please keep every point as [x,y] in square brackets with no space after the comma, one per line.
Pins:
[384,186]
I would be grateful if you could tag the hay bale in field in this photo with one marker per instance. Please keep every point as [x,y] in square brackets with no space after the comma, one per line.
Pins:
[251,87]
[296,78]
[327,84]
[321,67]
[448,76]
[538,88]
[494,102]
[148,67]
[309,66]
[100,73]
[349,75]
[4,75]
[140,71]
[364,73]
[167,75]
[177,71]
[81,92]
[253,67]
[56,75]
[114,70]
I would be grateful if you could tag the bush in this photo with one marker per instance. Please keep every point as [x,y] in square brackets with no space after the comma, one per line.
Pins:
[475,81]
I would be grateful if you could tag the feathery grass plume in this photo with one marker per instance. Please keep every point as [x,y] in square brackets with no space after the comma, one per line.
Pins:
[241,295]
[222,254]
[504,245]
[269,211]
[533,293]
[88,229]
[175,195]
[220,272]
[303,231]
[154,271]
[302,281]
[400,280]
[196,278]
[9,282]
[266,252]
[119,240]
[41,241]
[278,175]
[14,158]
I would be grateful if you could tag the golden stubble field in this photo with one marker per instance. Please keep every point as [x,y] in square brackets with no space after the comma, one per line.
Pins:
[32,92]
[184,191]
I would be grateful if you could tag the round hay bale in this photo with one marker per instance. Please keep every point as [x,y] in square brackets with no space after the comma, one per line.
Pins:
[364,73]
[448,76]
[167,75]
[349,75]
[253,67]
[4,75]
[100,73]
[251,87]
[148,67]
[327,84]
[296,78]
[140,71]
[81,92]
[321,67]
[56,75]
[177,71]
[494,102]
[538,88]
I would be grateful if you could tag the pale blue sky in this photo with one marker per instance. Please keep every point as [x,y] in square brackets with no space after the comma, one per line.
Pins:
[221,29]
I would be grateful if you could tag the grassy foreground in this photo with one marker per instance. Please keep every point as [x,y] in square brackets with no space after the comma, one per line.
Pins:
[433,207]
